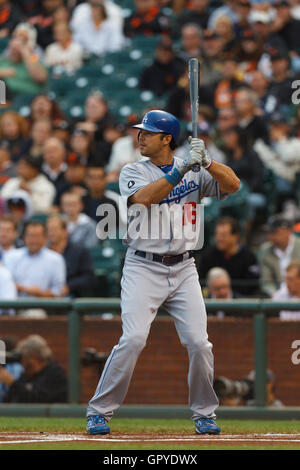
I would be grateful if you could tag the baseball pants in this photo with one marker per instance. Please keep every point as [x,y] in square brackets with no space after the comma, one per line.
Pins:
[146,285]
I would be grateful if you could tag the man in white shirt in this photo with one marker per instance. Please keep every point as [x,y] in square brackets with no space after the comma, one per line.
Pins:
[8,289]
[290,290]
[276,254]
[81,228]
[29,178]
[36,270]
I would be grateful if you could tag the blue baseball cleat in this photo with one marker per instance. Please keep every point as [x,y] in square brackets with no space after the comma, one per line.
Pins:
[206,426]
[96,425]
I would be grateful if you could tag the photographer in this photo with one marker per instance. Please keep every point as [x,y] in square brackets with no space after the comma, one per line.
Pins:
[43,380]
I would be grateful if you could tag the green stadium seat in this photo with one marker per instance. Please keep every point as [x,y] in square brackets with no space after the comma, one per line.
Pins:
[107,263]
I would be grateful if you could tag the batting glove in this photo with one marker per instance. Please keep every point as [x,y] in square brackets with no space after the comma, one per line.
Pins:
[197,146]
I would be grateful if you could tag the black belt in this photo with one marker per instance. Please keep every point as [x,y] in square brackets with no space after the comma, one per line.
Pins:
[168,260]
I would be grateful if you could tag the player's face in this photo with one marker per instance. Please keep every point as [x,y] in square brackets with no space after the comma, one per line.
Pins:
[151,143]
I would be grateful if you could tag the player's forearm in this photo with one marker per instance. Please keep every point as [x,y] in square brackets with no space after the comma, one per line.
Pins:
[153,193]
[225,176]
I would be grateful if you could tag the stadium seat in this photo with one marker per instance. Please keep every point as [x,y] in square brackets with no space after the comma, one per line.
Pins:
[107,262]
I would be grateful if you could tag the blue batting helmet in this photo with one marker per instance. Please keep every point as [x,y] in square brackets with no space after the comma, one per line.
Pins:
[160,121]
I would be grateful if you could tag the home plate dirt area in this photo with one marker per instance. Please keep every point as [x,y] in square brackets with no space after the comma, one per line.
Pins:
[42,437]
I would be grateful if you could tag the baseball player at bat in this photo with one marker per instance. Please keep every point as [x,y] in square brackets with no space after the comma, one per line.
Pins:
[162,271]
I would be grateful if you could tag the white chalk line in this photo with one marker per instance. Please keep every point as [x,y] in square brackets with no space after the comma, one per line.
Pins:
[248,438]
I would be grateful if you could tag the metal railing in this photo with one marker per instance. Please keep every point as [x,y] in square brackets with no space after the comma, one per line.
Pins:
[260,309]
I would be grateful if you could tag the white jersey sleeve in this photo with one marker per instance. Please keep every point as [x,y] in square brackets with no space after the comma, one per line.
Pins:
[132,178]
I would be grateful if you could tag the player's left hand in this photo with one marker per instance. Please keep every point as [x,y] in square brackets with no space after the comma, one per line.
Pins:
[197,146]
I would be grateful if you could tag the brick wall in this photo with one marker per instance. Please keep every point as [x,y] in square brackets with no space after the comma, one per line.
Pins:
[161,373]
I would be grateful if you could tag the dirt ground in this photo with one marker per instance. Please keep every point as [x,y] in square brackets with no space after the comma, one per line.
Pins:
[257,439]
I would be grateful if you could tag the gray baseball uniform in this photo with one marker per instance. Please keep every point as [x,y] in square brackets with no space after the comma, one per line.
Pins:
[147,284]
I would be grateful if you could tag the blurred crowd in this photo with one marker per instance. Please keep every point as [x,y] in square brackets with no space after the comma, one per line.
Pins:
[56,170]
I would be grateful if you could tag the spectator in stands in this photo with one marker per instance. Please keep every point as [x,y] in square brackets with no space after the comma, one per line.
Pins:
[191,41]
[7,168]
[124,150]
[96,116]
[9,18]
[197,13]
[164,72]
[14,131]
[247,165]
[225,29]
[147,19]
[225,10]
[19,207]
[62,130]
[286,26]
[64,52]
[75,175]
[21,69]
[8,235]
[8,290]
[261,23]
[81,228]
[43,380]
[36,270]
[54,163]
[97,34]
[42,107]
[276,254]
[242,9]
[245,102]
[212,63]
[31,180]
[267,103]
[219,287]
[83,11]
[290,290]
[80,270]
[282,156]
[226,119]
[250,51]
[281,84]
[178,102]
[81,144]
[27,35]
[96,182]
[43,22]
[232,81]
[228,253]
[40,132]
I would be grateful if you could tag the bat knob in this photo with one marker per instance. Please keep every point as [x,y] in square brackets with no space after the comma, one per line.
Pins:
[196,168]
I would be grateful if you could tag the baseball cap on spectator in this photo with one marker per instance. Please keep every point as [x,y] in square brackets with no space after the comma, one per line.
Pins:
[259,16]
[277,54]
[277,221]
